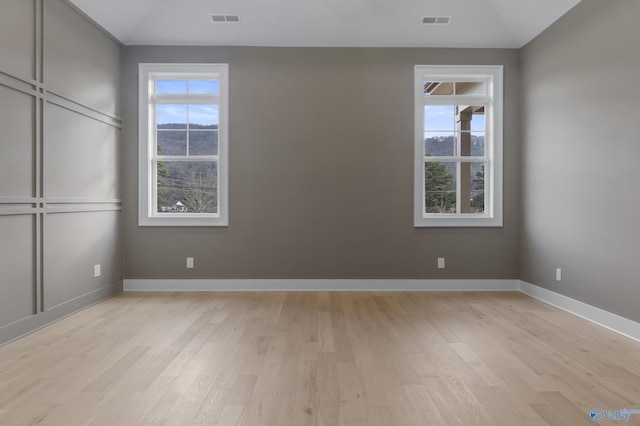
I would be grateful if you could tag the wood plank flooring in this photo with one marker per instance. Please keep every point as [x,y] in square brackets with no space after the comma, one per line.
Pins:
[297,358]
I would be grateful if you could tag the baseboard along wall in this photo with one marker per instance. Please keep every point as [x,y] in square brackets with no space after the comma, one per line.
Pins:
[320,285]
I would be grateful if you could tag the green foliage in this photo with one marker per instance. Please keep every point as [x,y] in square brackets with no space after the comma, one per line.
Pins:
[477,201]
[440,188]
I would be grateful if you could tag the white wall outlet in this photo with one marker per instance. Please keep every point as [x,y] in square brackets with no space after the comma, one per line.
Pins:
[96,271]
[441,263]
[190,262]
[558,274]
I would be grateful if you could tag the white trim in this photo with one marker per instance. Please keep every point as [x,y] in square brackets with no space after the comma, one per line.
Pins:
[146,187]
[493,98]
[613,322]
[318,285]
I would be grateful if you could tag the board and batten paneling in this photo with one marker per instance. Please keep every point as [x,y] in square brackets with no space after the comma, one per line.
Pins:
[17,110]
[60,209]
[81,63]
[64,175]
[17,261]
[69,270]
[18,38]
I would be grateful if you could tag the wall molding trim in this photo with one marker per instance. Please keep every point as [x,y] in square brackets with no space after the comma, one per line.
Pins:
[25,326]
[62,113]
[318,285]
[608,320]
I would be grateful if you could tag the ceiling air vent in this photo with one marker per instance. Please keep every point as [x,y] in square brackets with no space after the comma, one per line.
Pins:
[436,20]
[224,19]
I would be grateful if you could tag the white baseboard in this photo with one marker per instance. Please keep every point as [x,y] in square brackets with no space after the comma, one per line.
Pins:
[613,322]
[320,285]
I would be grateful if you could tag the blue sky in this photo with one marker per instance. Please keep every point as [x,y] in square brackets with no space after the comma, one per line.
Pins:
[205,114]
[177,113]
[440,119]
[199,87]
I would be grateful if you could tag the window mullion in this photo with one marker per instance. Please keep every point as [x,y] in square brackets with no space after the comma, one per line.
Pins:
[184,99]
[455,158]
[187,158]
[488,202]
[456,99]
[458,187]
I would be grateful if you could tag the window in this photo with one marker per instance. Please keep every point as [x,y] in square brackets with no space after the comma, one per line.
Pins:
[458,146]
[183,145]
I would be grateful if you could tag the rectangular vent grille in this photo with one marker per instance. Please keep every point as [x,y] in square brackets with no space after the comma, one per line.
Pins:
[223,19]
[436,20]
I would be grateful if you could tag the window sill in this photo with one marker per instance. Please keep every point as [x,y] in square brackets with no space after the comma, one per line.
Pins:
[182,221]
[439,221]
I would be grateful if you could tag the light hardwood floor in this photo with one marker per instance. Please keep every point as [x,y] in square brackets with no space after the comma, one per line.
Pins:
[287,358]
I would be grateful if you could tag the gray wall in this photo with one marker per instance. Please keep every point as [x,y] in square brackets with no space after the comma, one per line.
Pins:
[321,171]
[580,157]
[321,147]
[60,206]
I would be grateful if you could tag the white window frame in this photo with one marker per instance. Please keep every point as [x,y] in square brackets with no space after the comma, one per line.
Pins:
[492,75]
[147,179]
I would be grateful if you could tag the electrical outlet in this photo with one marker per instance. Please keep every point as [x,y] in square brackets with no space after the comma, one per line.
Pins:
[441,263]
[558,274]
[96,271]
[190,262]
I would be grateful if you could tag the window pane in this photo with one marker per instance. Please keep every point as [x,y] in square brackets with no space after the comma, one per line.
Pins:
[440,187]
[471,125]
[459,135]
[203,142]
[203,116]
[434,88]
[477,120]
[470,88]
[204,87]
[172,142]
[440,118]
[172,86]
[187,187]
[475,178]
[470,118]
[465,144]
[169,116]
[478,147]
[439,144]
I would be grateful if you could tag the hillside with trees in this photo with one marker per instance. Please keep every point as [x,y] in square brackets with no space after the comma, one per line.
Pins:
[187,186]
[440,178]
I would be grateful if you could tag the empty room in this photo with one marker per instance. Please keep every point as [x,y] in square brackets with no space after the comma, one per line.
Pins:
[365,212]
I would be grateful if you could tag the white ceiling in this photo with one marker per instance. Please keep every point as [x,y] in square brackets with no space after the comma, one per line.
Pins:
[370,23]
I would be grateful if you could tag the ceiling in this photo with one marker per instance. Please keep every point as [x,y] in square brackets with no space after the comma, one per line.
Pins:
[353,23]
